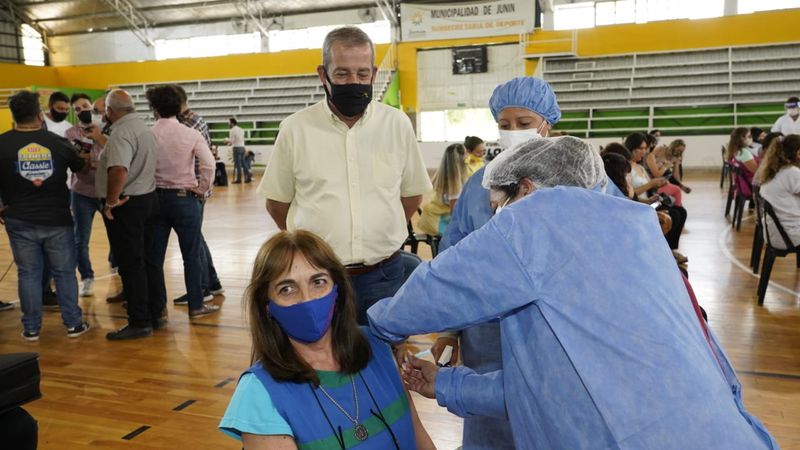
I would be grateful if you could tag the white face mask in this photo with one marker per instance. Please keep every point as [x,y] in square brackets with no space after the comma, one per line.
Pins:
[512,138]
[500,208]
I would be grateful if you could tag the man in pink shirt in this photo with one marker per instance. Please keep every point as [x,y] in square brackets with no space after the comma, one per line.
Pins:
[179,195]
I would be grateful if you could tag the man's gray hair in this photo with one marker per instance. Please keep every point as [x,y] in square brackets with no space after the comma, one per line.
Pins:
[349,36]
[119,100]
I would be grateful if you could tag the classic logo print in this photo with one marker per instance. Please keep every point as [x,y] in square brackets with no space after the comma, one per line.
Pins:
[35,163]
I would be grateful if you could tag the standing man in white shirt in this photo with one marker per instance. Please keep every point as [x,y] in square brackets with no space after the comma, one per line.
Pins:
[236,140]
[789,123]
[351,170]
[56,117]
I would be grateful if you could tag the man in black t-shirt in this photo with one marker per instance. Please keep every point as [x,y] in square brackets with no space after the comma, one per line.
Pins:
[33,186]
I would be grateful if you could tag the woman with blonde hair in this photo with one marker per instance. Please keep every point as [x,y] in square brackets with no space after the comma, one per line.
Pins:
[780,186]
[317,380]
[447,184]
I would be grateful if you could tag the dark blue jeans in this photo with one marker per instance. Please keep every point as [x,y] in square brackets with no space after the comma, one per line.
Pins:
[31,246]
[209,272]
[238,163]
[179,211]
[83,210]
[380,283]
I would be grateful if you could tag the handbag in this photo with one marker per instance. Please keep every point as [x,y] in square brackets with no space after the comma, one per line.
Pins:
[19,380]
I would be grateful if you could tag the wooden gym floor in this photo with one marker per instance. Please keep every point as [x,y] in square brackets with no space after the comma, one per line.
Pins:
[169,391]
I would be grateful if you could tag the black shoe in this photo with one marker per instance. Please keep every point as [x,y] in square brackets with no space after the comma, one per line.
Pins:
[248,181]
[237,182]
[160,323]
[184,299]
[129,332]
[5,306]
[79,330]
[49,301]
[116,298]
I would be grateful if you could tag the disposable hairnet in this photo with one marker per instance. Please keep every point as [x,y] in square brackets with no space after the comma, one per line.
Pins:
[548,162]
[529,93]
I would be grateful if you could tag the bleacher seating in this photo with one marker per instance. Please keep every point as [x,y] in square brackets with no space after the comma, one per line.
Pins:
[753,82]
[262,101]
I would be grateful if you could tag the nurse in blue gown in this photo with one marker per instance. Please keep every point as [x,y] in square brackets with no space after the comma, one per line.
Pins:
[601,347]
[519,105]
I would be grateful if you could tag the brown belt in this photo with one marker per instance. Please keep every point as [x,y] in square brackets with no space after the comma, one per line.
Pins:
[361,269]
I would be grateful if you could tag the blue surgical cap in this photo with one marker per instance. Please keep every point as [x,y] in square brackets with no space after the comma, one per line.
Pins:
[530,93]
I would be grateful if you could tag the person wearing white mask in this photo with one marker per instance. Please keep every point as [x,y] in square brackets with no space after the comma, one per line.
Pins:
[789,123]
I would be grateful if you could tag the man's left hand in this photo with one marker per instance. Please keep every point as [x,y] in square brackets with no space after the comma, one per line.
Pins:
[108,207]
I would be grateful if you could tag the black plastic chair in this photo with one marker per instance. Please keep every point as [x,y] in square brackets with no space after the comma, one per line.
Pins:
[771,251]
[413,240]
[726,168]
[731,190]
[742,193]
[758,236]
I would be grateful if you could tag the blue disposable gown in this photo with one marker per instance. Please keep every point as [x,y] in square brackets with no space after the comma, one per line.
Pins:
[601,346]
[480,344]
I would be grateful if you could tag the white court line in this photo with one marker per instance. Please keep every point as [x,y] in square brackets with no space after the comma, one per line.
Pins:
[721,242]
[178,255]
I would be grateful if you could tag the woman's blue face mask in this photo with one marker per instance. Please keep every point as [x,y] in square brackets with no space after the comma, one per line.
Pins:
[305,322]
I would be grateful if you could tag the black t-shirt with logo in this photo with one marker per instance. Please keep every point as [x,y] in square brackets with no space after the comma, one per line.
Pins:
[33,176]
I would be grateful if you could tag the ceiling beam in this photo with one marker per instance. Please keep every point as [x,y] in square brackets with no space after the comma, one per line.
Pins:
[137,22]
[144,9]
[248,12]
[11,12]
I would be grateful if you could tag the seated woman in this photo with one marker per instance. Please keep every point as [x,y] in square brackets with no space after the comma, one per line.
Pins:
[475,151]
[447,184]
[738,151]
[666,162]
[780,186]
[644,187]
[318,380]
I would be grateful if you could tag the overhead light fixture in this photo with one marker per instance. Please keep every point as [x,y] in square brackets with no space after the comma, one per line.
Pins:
[89,30]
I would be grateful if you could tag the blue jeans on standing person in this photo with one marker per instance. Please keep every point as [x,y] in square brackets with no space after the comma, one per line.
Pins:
[238,163]
[83,210]
[31,246]
[384,281]
[180,211]
[210,279]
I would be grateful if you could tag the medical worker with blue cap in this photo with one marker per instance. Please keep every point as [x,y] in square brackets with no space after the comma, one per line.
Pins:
[594,356]
[524,108]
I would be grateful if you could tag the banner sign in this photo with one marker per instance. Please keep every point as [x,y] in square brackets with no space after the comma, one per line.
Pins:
[429,21]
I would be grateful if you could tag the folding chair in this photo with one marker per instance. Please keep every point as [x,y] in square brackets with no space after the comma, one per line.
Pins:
[758,236]
[771,251]
[726,168]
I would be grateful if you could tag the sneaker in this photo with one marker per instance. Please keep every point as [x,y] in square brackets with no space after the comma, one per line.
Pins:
[204,311]
[216,289]
[184,299]
[87,287]
[79,330]
[49,301]
[5,306]
[30,336]
[129,332]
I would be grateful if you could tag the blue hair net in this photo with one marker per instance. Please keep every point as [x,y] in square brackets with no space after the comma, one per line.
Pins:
[530,93]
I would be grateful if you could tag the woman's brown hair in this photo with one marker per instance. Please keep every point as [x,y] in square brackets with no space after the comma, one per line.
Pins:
[736,142]
[781,153]
[271,346]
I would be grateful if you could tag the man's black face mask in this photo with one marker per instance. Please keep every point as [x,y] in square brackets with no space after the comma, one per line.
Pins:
[350,99]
